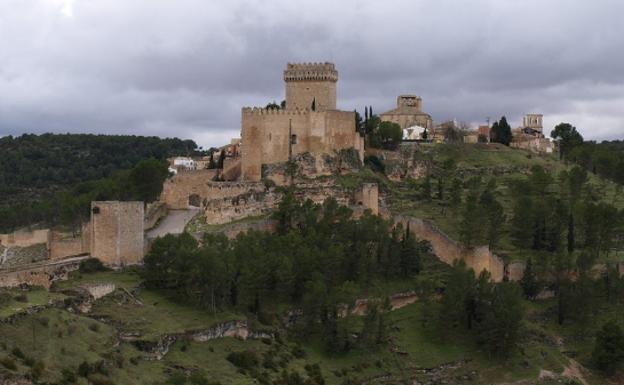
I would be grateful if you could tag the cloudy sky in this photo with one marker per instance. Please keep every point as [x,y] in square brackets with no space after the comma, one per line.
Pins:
[185,67]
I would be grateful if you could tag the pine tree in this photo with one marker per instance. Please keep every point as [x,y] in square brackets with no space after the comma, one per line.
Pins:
[529,283]
[211,162]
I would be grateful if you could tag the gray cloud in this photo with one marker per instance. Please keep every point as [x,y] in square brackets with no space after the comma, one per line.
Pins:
[184,68]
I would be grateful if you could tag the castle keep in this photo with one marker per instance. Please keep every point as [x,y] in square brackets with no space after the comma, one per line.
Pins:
[309,123]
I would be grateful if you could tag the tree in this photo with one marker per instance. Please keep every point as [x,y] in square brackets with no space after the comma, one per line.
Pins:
[501,132]
[211,162]
[390,134]
[501,316]
[469,226]
[147,179]
[529,283]
[568,138]
[608,353]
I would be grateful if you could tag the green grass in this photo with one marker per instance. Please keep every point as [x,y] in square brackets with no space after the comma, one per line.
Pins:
[36,296]
[154,315]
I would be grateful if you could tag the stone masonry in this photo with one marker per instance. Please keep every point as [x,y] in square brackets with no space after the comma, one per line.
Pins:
[117,232]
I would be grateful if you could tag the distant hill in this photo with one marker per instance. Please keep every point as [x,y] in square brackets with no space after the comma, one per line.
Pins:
[34,167]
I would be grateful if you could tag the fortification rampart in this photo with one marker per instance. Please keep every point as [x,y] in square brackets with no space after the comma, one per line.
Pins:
[274,136]
[117,236]
[25,238]
[153,213]
[448,250]
[39,274]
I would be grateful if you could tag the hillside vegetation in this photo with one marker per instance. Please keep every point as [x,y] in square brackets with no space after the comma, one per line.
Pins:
[34,169]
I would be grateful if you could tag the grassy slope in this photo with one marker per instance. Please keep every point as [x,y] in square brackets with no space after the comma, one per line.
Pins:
[488,161]
[62,340]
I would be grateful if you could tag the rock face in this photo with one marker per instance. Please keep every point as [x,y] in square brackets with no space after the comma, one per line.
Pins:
[156,350]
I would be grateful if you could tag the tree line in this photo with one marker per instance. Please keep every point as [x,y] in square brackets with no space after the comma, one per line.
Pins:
[34,169]
[320,258]
[71,207]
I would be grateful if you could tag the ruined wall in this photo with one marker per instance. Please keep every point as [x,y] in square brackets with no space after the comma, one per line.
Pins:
[531,143]
[178,189]
[368,197]
[448,250]
[153,213]
[266,140]
[25,238]
[40,274]
[224,210]
[231,169]
[62,246]
[117,232]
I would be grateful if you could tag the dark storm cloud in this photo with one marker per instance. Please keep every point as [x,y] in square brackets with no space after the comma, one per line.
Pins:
[185,67]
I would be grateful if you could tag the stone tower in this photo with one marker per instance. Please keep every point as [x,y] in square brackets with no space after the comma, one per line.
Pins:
[533,121]
[309,84]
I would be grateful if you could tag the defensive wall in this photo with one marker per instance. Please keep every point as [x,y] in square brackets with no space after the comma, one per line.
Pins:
[449,250]
[117,235]
[39,274]
[178,189]
[273,136]
[153,213]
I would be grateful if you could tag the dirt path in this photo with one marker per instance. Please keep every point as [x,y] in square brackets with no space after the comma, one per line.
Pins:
[173,223]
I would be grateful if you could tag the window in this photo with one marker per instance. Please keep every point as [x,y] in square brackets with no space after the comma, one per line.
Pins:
[293,139]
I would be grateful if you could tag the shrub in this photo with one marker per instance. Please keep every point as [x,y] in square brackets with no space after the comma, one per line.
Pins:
[21,298]
[37,370]
[68,376]
[91,265]
[177,378]
[243,360]
[5,298]
[8,363]
[17,352]
[94,327]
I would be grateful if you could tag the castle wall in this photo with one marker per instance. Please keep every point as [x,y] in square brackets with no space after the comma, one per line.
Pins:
[448,250]
[41,274]
[368,197]
[154,212]
[178,189]
[299,95]
[25,238]
[117,232]
[266,140]
[63,247]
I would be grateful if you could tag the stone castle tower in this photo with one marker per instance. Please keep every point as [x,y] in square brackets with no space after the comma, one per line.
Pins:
[311,84]
[310,123]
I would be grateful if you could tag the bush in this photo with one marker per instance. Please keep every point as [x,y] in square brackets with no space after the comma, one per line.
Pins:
[177,378]
[21,298]
[68,376]
[37,370]
[243,360]
[17,352]
[8,363]
[94,327]
[608,353]
[5,298]
[91,265]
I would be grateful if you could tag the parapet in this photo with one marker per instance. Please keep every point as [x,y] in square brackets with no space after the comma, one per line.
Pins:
[311,71]
[274,111]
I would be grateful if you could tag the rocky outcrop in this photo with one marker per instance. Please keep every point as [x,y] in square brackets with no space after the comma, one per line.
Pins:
[156,350]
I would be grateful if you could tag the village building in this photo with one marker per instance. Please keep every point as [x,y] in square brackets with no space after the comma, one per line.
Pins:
[408,114]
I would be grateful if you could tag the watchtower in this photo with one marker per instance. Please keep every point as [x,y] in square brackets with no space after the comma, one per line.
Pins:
[311,86]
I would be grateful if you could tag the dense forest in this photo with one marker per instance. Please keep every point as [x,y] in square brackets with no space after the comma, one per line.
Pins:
[41,176]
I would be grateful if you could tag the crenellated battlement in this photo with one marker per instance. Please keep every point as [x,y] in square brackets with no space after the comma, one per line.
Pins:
[274,111]
[311,71]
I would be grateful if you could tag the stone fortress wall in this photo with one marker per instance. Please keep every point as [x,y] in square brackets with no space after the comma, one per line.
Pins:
[310,122]
[449,250]
[117,236]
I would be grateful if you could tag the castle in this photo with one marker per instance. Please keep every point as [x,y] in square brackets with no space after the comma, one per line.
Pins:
[309,122]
